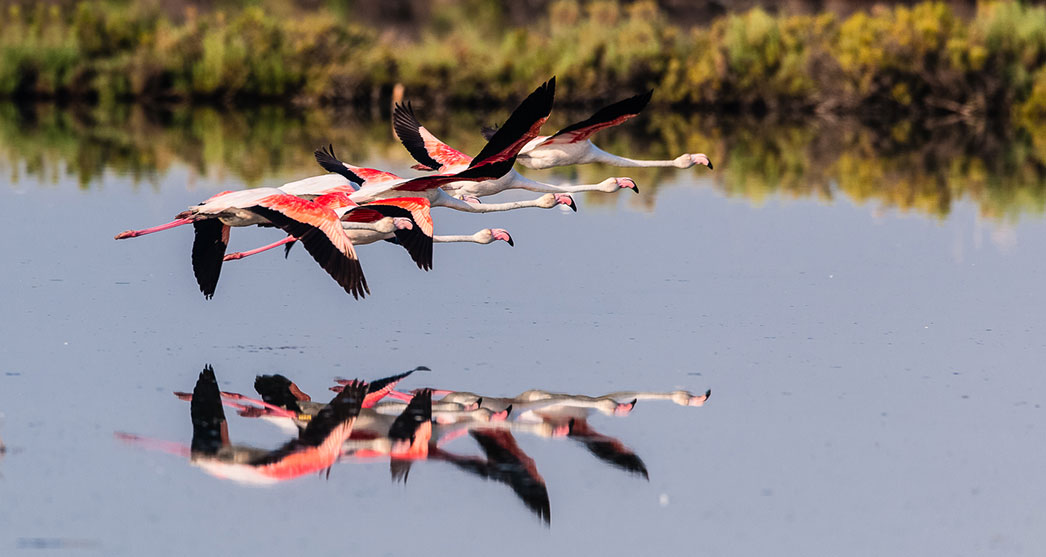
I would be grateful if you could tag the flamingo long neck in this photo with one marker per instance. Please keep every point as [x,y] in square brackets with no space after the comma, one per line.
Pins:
[641,395]
[522,182]
[595,154]
[459,238]
[444,200]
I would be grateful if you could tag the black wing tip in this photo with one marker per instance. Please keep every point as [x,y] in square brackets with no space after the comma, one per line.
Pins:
[535,108]
[329,161]
[407,128]
[208,254]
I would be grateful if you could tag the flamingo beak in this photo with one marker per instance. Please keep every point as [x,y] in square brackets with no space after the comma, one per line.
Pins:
[629,183]
[701,158]
[502,234]
[624,408]
[566,199]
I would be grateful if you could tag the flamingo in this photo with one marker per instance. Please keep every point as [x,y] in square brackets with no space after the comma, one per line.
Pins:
[571,145]
[417,240]
[317,447]
[308,188]
[433,154]
[498,155]
[315,222]
[610,404]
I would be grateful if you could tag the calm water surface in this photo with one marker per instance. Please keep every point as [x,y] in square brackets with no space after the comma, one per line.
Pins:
[871,324]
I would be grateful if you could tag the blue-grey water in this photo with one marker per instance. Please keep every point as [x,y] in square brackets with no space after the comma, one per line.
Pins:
[876,373]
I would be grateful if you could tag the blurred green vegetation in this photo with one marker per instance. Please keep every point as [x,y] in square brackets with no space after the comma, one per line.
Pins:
[900,60]
[908,167]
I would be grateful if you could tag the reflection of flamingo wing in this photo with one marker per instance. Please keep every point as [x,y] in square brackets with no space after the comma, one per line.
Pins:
[380,388]
[323,431]
[606,117]
[616,454]
[417,413]
[509,465]
[209,430]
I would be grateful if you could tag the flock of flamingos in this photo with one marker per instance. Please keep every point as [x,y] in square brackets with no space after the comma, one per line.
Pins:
[332,213]
[364,422]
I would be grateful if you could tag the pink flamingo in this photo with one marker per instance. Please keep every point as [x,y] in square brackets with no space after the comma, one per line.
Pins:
[433,154]
[416,237]
[498,155]
[317,447]
[571,145]
[315,222]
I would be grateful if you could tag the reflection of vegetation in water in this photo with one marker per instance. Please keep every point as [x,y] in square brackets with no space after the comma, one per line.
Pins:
[910,168]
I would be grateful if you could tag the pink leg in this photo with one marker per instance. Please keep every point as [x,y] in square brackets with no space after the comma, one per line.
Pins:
[144,231]
[400,396]
[276,410]
[169,447]
[243,409]
[450,436]
[242,254]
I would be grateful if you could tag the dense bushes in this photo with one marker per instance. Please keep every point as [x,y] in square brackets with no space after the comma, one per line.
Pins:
[900,60]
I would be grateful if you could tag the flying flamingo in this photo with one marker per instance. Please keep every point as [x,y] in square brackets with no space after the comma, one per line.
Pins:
[498,154]
[416,235]
[433,154]
[315,222]
[571,145]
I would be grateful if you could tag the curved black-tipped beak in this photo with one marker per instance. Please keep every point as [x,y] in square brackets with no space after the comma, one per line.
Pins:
[573,206]
[635,187]
[710,165]
[510,242]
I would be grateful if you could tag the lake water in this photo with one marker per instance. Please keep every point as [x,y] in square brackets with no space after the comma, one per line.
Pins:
[866,307]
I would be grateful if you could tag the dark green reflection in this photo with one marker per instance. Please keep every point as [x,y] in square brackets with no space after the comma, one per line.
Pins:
[919,169]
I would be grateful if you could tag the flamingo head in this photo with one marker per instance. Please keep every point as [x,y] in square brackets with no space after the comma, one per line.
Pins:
[565,199]
[500,234]
[627,183]
[624,408]
[688,160]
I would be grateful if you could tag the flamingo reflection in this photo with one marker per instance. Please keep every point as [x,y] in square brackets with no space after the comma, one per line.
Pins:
[365,422]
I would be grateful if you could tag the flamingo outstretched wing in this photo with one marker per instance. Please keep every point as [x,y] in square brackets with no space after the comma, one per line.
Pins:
[427,149]
[330,163]
[318,228]
[208,252]
[522,125]
[605,117]
[417,240]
